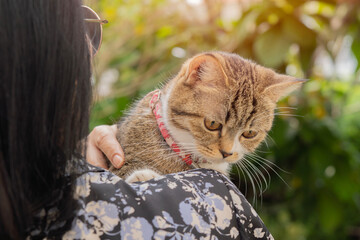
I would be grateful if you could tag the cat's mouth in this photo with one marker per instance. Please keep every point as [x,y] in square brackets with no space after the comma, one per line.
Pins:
[202,158]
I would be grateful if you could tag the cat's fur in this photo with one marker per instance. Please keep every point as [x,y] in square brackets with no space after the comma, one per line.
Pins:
[222,87]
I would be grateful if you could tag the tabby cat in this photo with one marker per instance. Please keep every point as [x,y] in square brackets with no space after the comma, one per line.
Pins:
[218,108]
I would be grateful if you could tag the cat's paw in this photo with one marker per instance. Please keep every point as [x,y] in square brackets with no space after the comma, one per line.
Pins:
[142,175]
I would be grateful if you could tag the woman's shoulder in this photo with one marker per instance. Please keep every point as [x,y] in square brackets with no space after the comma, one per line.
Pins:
[193,204]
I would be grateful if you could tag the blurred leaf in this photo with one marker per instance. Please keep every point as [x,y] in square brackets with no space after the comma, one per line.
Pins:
[125,60]
[108,111]
[296,32]
[164,31]
[330,212]
[305,58]
[271,48]
[320,8]
[355,47]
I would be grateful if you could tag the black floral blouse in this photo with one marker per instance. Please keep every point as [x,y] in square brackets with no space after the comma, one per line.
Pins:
[197,204]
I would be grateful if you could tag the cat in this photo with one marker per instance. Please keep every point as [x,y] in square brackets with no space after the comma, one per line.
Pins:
[218,108]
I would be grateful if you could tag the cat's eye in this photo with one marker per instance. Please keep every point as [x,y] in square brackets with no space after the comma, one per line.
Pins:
[212,125]
[249,134]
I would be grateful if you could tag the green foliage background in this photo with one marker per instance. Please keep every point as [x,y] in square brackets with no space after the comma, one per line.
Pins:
[315,139]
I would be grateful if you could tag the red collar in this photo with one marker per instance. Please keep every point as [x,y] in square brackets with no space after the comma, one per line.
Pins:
[155,105]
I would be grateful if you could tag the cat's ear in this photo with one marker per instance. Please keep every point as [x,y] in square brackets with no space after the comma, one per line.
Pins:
[205,69]
[281,86]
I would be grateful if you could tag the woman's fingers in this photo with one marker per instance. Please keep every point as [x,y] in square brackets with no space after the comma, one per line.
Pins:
[95,157]
[102,140]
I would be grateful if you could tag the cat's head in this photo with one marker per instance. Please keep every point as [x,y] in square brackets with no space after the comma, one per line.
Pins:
[221,106]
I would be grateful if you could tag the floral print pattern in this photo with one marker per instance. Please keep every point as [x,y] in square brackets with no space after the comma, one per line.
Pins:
[197,204]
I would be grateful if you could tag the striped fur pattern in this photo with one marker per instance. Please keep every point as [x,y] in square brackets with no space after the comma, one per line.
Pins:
[212,89]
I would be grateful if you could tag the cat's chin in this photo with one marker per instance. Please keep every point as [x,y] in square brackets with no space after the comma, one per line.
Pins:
[223,167]
[235,159]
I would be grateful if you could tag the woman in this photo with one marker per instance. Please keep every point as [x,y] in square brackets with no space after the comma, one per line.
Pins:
[45,94]
[46,190]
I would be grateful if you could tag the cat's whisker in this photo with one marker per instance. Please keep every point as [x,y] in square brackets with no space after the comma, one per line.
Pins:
[292,108]
[250,176]
[261,164]
[289,110]
[259,174]
[238,173]
[267,181]
[266,143]
[254,154]
[268,164]
[263,151]
[283,112]
[262,116]
[287,115]
[272,140]
[240,167]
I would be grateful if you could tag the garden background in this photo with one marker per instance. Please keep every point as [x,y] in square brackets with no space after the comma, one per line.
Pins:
[315,139]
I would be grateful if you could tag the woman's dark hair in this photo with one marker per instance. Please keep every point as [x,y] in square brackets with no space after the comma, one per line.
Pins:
[45,93]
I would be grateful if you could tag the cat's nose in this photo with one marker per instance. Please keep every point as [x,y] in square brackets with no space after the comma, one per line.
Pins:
[225,154]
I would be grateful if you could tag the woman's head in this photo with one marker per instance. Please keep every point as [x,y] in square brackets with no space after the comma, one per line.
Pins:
[45,93]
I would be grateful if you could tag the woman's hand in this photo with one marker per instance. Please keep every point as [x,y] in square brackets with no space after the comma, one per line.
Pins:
[102,140]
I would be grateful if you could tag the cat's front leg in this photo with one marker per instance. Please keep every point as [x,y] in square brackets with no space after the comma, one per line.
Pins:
[142,175]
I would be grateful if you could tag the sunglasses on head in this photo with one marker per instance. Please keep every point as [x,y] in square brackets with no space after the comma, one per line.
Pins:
[93,28]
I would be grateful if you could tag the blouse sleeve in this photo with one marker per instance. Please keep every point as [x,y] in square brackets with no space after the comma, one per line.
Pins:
[197,204]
